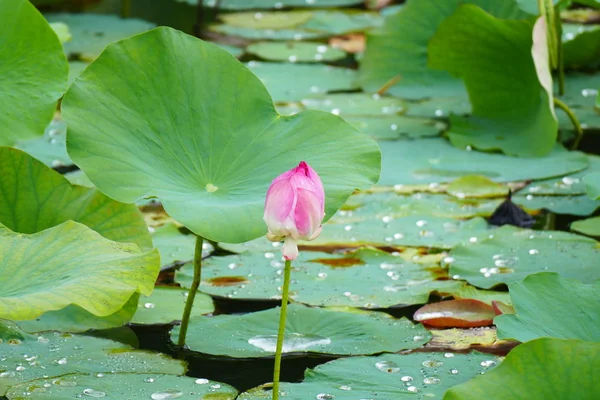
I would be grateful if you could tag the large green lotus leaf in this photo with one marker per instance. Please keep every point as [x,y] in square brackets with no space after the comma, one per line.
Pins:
[589,226]
[175,246]
[33,197]
[347,104]
[569,184]
[400,48]
[513,254]
[75,319]
[397,126]
[337,22]
[512,111]
[581,91]
[434,160]
[33,72]
[309,79]
[397,376]
[308,330]
[124,386]
[538,370]
[549,306]
[592,185]
[267,20]
[70,264]
[365,278]
[209,167]
[93,32]
[296,51]
[267,34]
[580,205]
[51,149]
[166,304]
[266,4]
[54,354]
[420,230]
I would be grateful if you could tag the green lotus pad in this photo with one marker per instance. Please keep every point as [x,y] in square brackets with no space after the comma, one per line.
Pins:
[549,306]
[76,319]
[52,355]
[434,160]
[51,149]
[70,264]
[295,51]
[93,32]
[538,370]
[166,304]
[308,330]
[210,168]
[33,197]
[512,254]
[30,88]
[125,386]
[397,376]
[266,4]
[589,226]
[366,278]
[399,48]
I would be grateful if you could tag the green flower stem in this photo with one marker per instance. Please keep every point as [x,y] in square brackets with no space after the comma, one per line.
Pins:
[185,319]
[281,332]
[574,121]
[125,8]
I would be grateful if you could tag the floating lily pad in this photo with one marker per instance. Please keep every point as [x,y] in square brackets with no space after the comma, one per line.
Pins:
[51,149]
[470,292]
[589,226]
[202,162]
[337,22]
[75,319]
[414,230]
[266,34]
[512,112]
[52,355]
[461,313]
[512,254]
[70,264]
[30,88]
[166,304]
[33,197]
[527,373]
[388,376]
[308,79]
[584,49]
[476,186]
[574,205]
[435,160]
[175,246]
[267,4]
[266,20]
[308,330]
[569,184]
[399,47]
[366,278]
[397,126]
[438,107]
[93,32]
[549,306]
[592,185]
[347,104]
[125,386]
[581,91]
[295,51]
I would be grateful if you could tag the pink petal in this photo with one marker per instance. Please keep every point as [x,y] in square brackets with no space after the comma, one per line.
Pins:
[279,206]
[308,213]
[290,248]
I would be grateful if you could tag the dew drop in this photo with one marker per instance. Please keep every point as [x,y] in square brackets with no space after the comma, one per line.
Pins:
[589,92]
[454,371]
[335,111]
[534,252]
[387,366]
[473,239]
[431,380]
[149,305]
[149,380]
[293,58]
[448,355]
[324,396]
[322,275]
[345,387]
[421,223]
[20,368]
[439,113]
[93,393]
[432,363]
[166,394]
[62,361]
[406,378]
[202,381]
[412,389]
[488,363]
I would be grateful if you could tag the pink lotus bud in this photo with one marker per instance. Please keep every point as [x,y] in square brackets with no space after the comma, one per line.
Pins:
[294,208]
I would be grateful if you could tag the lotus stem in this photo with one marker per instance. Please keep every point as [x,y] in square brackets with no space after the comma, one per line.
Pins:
[185,319]
[578,130]
[389,84]
[281,331]
[125,8]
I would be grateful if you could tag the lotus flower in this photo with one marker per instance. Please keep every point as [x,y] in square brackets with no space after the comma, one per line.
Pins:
[294,208]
